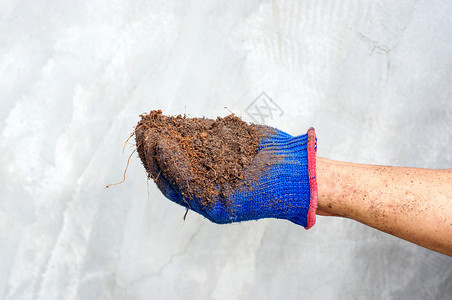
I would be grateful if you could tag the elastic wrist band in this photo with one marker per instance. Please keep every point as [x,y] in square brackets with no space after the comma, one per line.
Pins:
[312,149]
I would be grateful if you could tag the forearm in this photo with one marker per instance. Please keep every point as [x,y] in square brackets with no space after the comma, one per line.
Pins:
[411,203]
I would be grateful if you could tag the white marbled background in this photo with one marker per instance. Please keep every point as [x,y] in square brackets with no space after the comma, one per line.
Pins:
[373,77]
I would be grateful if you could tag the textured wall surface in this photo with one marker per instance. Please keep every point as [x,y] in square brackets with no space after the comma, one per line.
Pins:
[373,77]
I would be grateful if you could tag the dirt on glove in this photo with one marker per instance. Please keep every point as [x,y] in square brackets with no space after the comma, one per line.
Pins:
[199,154]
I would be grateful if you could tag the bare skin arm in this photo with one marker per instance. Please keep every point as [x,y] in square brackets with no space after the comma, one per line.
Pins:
[411,203]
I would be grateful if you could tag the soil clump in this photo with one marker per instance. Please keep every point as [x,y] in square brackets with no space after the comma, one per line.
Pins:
[202,157]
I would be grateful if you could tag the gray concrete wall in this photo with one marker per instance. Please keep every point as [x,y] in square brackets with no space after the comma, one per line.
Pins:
[373,77]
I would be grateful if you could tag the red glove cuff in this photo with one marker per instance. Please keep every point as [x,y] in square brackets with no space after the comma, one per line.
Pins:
[312,149]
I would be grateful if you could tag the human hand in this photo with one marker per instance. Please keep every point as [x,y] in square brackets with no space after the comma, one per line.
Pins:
[277,182]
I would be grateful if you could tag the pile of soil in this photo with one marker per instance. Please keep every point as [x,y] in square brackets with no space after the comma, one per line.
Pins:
[204,157]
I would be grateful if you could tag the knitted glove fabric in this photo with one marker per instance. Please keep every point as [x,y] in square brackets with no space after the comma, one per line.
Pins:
[279,183]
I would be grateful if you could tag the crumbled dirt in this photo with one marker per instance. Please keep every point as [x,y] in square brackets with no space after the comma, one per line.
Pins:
[203,157]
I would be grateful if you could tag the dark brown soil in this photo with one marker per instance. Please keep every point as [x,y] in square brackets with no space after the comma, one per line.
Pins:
[201,156]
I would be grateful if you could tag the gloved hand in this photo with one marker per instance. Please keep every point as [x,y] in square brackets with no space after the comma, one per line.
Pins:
[279,183]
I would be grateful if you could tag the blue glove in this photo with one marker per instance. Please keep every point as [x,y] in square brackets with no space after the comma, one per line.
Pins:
[279,183]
